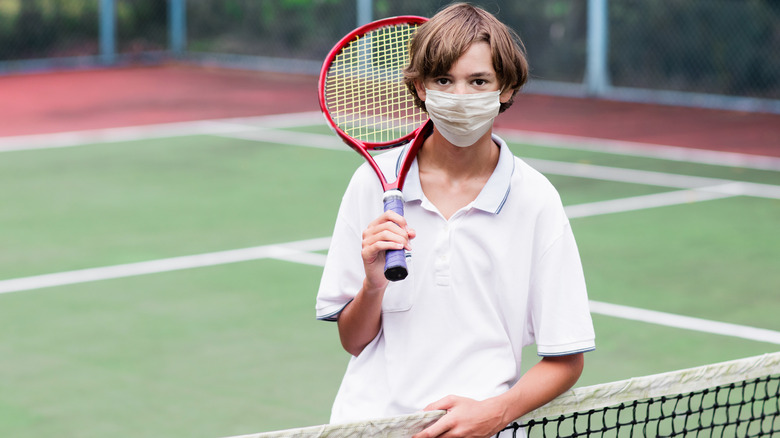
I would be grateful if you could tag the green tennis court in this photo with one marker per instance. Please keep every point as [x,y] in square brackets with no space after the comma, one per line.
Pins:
[163,285]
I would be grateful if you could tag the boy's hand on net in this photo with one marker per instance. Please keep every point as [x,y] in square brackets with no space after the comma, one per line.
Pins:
[465,418]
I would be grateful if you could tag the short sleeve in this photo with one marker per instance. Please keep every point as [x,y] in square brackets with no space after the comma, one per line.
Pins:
[560,320]
[343,274]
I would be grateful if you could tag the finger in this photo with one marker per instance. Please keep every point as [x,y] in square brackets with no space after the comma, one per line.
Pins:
[386,232]
[444,404]
[383,240]
[375,254]
[389,217]
[437,429]
[385,223]
[396,218]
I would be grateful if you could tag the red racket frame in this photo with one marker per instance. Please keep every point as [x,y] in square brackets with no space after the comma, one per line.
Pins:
[361,147]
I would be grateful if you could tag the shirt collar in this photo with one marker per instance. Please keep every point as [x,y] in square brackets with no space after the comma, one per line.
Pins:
[492,197]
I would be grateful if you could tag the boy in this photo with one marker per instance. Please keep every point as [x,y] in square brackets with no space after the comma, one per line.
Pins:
[494,265]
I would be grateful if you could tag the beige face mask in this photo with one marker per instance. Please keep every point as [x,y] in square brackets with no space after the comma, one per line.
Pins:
[462,118]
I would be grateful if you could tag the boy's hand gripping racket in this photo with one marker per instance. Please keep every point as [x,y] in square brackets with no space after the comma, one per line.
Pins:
[365,100]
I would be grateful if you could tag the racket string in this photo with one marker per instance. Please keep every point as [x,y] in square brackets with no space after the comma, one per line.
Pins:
[364,88]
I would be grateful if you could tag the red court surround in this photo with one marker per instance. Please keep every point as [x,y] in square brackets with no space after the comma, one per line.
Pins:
[78,100]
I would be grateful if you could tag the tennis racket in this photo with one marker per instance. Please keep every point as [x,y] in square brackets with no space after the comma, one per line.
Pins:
[365,101]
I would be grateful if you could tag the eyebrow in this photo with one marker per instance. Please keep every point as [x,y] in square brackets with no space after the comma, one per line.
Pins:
[479,74]
[476,75]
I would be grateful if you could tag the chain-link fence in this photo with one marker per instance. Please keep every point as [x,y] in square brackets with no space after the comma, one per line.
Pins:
[726,50]
[727,47]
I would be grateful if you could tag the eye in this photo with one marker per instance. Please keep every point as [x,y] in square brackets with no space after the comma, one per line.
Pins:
[442,81]
[480,82]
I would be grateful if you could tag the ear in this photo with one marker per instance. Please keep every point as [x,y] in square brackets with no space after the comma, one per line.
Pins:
[420,88]
[506,95]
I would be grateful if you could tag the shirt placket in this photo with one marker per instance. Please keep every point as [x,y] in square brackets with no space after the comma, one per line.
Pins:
[443,256]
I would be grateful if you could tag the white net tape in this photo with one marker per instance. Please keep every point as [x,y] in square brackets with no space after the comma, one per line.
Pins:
[576,400]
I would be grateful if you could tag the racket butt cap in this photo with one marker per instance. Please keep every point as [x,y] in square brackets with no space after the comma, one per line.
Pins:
[396,273]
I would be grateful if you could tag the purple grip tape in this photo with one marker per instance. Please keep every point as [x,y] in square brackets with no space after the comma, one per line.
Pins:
[395,260]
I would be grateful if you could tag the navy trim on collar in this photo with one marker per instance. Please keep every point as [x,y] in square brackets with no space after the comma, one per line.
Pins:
[492,197]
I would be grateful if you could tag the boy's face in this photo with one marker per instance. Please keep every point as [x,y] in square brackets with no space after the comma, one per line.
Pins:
[472,73]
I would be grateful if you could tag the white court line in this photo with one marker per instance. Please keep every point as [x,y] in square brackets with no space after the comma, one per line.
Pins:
[262,129]
[643,202]
[591,171]
[685,322]
[164,130]
[638,149]
[581,170]
[255,129]
[300,252]
[305,139]
[296,251]
[660,179]
[244,124]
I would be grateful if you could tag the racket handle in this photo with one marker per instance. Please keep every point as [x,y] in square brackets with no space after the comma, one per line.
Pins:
[395,259]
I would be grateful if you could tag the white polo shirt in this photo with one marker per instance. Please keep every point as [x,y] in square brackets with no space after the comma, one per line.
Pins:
[501,273]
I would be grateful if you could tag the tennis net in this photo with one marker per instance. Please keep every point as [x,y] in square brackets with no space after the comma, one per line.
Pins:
[739,398]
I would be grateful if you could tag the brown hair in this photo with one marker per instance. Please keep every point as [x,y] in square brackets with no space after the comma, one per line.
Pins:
[439,42]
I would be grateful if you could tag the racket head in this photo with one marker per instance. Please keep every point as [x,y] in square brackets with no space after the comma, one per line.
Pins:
[361,89]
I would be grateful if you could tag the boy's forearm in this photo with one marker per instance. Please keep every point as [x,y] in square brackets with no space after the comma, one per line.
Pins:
[546,380]
[542,383]
[360,321]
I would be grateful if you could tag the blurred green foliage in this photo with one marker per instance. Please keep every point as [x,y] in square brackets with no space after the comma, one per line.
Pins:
[38,28]
[55,28]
